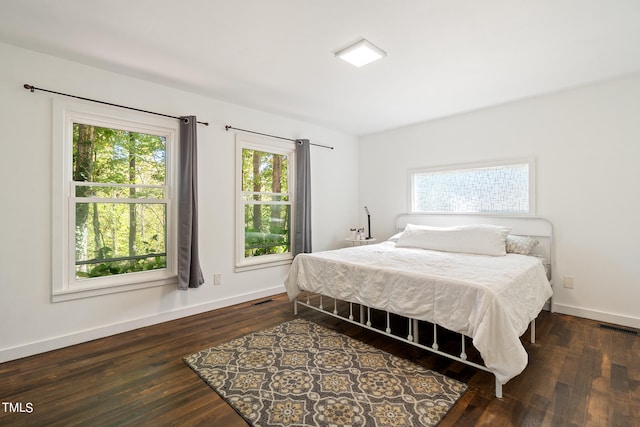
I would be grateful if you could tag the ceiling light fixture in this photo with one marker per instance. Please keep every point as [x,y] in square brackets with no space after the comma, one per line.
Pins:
[361,53]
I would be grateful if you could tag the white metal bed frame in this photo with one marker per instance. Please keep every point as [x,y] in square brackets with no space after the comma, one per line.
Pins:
[534,227]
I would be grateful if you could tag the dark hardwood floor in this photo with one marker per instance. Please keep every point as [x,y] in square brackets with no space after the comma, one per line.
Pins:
[578,375]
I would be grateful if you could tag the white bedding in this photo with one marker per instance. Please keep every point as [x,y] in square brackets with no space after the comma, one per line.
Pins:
[491,299]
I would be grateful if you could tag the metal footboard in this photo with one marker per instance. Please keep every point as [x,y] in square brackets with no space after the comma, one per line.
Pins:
[364,321]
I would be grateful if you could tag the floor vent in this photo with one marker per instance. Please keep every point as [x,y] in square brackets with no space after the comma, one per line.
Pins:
[619,329]
[263,302]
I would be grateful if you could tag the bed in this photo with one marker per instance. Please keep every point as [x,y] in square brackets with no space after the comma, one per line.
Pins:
[447,270]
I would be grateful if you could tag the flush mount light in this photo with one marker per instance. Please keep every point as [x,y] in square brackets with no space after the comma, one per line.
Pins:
[361,53]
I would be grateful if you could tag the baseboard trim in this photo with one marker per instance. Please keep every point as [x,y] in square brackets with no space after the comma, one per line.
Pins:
[601,316]
[43,346]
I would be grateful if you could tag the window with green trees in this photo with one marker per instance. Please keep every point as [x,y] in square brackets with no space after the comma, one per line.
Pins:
[113,211]
[265,202]
[119,177]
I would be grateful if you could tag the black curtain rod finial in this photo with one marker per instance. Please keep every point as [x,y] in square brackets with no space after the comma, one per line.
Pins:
[30,87]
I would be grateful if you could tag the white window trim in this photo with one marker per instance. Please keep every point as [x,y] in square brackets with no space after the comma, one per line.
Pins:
[272,146]
[532,184]
[64,285]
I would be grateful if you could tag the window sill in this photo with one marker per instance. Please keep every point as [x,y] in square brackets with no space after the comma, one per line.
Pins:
[94,291]
[257,266]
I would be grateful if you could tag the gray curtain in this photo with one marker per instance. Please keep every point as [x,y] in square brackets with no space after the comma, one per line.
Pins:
[189,272]
[302,222]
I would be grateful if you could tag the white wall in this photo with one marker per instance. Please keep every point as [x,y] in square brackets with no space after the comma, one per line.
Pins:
[587,145]
[30,323]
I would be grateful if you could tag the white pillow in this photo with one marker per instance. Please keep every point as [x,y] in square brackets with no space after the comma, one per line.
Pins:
[475,239]
[395,237]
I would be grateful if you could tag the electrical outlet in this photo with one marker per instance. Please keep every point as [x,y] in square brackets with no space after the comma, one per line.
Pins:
[217,279]
[567,282]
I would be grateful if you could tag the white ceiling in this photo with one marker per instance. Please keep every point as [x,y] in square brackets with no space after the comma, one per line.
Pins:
[443,56]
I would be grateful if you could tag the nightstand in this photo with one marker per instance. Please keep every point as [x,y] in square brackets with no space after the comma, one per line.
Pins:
[356,242]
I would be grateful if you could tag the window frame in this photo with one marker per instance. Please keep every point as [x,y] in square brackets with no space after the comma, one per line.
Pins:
[530,161]
[65,286]
[287,148]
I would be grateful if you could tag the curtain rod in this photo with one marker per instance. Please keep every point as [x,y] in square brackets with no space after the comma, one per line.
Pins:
[33,88]
[273,136]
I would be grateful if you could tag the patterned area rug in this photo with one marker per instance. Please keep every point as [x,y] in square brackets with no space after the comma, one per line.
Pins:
[303,374]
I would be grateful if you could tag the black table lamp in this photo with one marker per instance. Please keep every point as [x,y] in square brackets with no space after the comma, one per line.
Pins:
[366,209]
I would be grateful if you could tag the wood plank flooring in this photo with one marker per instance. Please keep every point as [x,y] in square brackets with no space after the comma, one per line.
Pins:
[578,375]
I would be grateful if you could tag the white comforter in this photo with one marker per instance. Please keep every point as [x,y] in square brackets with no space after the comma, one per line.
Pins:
[490,299]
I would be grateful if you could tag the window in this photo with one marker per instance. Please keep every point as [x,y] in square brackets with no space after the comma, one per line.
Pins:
[264,202]
[113,192]
[490,188]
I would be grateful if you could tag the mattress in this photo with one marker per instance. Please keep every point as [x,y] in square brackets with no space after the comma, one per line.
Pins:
[491,299]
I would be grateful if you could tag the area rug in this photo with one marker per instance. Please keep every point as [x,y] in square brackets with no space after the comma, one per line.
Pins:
[302,374]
